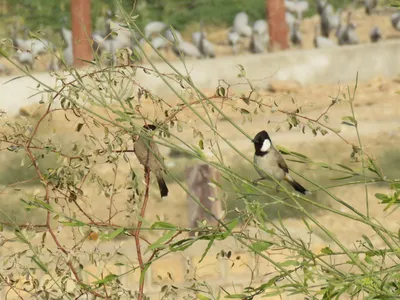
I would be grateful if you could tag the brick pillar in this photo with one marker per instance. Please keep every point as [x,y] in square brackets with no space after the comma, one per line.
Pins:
[81,31]
[278,29]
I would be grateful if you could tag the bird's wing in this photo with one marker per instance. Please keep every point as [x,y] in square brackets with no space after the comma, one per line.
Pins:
[281,162]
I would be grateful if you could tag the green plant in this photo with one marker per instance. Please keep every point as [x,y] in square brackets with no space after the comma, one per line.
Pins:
[95,192]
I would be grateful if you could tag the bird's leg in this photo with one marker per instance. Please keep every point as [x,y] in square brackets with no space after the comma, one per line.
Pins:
[254,182]
[278,188]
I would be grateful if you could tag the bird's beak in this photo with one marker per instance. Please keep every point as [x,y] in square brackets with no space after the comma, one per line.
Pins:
[252,141]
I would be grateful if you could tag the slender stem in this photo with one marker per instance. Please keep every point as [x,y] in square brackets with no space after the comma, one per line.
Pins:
[137,234]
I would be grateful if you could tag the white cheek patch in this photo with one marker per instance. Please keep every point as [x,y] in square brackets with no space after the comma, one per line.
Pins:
[266,145]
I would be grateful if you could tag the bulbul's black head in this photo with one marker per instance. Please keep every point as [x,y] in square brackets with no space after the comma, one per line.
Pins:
[262,142]
[261,137]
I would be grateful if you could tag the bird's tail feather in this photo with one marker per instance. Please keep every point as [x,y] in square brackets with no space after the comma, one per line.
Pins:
[162,186]
[297,186]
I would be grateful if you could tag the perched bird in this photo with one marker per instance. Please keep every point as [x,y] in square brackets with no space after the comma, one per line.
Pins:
[270,162]
[375,34]
[149,156]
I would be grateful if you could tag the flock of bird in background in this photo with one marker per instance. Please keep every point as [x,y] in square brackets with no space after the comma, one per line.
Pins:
[161,36]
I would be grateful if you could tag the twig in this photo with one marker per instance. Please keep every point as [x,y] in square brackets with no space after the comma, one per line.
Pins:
[137,234]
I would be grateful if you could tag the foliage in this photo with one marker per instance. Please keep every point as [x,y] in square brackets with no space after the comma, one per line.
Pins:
[93,194]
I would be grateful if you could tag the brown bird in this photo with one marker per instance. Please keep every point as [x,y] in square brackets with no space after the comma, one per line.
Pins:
[271,163]
[149,156]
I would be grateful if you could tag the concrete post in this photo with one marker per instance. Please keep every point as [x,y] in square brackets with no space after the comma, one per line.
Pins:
[81,31]
[198,178]
[278,29]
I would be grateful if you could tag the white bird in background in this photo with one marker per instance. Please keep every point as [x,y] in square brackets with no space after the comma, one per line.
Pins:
[260,27]
[329,19]
[159,42]
[395,18]
[321,41]
[173,36]
[290,20]
[187,49]
[28,49]
[241,24]
[196,37]
[297,7]
[155,27]
[233,39]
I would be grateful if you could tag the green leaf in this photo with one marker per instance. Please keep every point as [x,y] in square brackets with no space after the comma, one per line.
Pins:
[374,168]
[368,241]
[327,251]
[230,226]
[393,200]
[202,297]
[40,264]
[289,263]
[349,120]
[43,204]
[201,144]
[236,296]
[73,224]
[382,197]
[342,178]
[299,155]
[324,165]
[283,150]
[106,279]
[207,249]
[112,235]
[345,167]
[261,246]
[162,239]
[395,186]
[163,225]
[182,245]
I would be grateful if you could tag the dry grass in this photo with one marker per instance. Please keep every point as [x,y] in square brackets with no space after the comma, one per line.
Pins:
[379,133]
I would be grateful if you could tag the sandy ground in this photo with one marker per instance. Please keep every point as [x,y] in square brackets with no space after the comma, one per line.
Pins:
[377,110]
